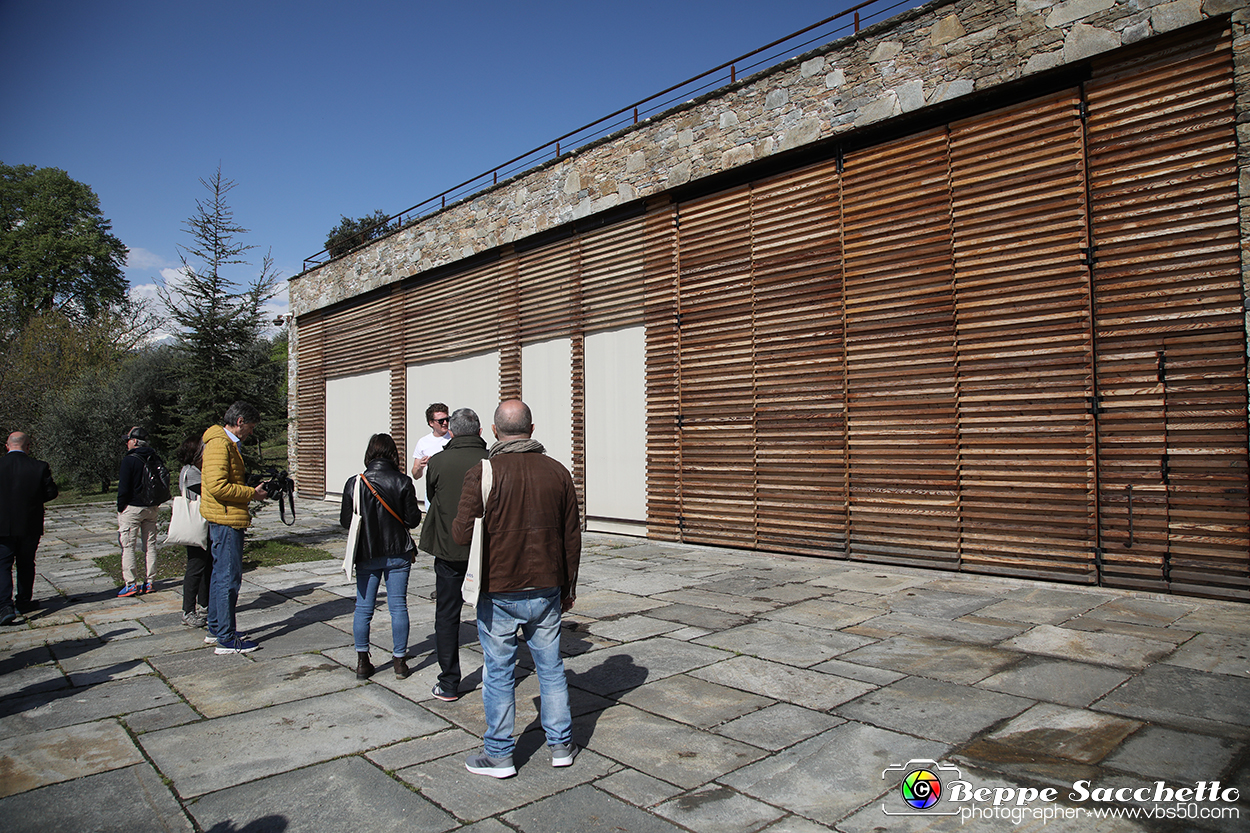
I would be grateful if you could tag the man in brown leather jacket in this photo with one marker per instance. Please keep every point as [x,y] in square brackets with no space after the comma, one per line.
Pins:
[530,560]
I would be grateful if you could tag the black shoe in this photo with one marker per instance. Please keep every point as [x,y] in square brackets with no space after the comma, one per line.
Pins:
[400,665]
[8,617]
[27,606]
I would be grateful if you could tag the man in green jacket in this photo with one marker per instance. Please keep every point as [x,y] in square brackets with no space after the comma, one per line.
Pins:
[444,478]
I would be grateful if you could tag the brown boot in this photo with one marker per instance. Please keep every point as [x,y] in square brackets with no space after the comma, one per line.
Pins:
[401,668]
[364,668]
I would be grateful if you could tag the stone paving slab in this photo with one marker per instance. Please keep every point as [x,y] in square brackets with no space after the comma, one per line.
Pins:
[933,709]
[823,777]
[692,701]
[242,683]
[810,689]
[585,810]
[132,799]
[778,726]
[964,630]
[663,748]
[1176,757]
[791,644]
[447,783]
[67,707]
[1061,732]
[1058,681]
[342,796]
[714,808]
[936,658]
[1098,648]
[1216,653]
[212,755]
[1184,698]
[36,759]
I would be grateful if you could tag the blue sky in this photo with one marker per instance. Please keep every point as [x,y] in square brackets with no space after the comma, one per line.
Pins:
[321,109]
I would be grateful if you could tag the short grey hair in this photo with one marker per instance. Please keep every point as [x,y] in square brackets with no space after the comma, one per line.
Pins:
[464,422]
[242,412]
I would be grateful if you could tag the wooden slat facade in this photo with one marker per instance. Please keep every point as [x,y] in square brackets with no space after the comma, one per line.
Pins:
[1170,320]
[1024,343]
[1011,344]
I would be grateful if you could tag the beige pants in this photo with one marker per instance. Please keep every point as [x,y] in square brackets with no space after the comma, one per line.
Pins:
[135,523]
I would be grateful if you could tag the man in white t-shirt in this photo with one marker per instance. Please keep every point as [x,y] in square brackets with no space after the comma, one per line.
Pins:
[429,445]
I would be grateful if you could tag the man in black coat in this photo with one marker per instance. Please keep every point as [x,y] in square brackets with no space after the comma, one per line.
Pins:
[25,485]
[444,477]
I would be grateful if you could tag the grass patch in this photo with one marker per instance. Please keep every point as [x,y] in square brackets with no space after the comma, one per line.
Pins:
[171,562]
[273,551]
[69,496]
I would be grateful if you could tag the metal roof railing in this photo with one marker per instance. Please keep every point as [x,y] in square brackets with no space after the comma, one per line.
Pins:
[848,21]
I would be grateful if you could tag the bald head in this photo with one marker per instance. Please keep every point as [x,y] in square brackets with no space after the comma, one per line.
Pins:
[18,442]
[513,420]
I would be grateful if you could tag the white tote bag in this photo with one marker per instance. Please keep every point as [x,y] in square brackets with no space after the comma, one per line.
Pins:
[473,576]
[187,527]
[353,532]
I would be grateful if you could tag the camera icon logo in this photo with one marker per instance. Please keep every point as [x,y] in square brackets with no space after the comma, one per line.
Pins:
[920,786]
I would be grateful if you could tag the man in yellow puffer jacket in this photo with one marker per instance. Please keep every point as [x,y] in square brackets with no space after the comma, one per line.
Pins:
[224,499]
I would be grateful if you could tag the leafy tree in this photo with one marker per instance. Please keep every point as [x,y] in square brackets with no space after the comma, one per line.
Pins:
[56,249]
[223,354]
[53,351]
[82,425]
[349,233]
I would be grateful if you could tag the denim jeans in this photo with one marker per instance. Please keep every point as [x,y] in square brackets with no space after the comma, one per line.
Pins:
[223,589]
[370,574]
[538,614]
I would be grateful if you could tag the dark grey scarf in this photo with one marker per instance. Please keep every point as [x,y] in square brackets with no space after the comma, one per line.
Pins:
[517,447]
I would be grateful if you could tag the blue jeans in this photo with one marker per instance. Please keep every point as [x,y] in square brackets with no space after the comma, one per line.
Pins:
[538,614]
[223,589]
[369,574]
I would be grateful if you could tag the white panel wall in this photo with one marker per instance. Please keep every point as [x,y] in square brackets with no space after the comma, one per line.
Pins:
[616,431]
[357,407]
[547,387]
[469,382]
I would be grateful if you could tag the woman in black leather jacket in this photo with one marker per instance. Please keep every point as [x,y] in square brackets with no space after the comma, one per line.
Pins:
[384,548]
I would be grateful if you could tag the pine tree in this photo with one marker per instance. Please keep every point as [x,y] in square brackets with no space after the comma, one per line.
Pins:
[225,356]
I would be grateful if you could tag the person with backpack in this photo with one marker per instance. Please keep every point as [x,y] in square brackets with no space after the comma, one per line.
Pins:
[142,486]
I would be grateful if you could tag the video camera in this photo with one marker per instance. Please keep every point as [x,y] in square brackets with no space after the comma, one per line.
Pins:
[277,484]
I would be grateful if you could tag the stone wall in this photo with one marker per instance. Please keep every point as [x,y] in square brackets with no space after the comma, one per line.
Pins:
[936,53]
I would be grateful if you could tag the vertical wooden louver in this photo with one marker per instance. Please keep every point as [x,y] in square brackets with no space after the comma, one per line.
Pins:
[716,370]
[310,406]
[613,268]
[508,305]
[800,424]
[1025,353]
[900,353]
[547,279]
[659,310]
[1170,320]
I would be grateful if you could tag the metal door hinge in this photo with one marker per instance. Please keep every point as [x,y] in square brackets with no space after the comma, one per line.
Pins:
[1093,404]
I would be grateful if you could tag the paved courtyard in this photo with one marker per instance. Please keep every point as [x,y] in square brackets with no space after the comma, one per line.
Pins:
[715,691]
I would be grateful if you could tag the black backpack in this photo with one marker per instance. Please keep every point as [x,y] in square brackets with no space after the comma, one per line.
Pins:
[154,487]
